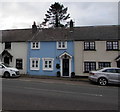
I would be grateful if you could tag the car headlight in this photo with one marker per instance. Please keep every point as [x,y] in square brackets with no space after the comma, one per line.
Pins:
[12,70]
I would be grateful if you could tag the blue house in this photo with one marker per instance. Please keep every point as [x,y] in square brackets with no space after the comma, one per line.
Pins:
[51,51]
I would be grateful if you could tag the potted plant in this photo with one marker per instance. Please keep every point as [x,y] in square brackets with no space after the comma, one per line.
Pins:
[58,73]
[72,74]
[58,66]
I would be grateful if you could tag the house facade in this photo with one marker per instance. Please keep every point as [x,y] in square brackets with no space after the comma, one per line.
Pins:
[61,50]
[51,51]
[98,47]
[14,48]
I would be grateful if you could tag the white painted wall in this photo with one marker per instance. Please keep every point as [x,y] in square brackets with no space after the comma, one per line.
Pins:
[18,50]
[100,55]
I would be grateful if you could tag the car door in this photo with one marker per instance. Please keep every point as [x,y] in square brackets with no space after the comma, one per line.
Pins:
[118,75]
[1,70]
[111,75]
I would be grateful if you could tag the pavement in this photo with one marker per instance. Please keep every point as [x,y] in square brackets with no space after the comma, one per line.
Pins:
[54,79]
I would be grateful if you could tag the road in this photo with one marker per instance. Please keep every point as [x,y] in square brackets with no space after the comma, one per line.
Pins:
[57,95]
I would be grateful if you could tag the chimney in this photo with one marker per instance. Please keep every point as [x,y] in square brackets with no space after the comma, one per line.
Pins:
[34,27]
[71,23]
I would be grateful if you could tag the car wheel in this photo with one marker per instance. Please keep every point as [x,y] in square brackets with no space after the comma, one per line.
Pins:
[102,81]
[6,74]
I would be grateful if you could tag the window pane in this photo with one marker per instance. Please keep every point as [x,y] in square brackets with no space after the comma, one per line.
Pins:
[7,45]
[36,63]
[33,44]
[36,44]
[33,62]
[88,66]
[89,45]
[92,45]
[115,45]
[19,63]
[63,44]
[59,44]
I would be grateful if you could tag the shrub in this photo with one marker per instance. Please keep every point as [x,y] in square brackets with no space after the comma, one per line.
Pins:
[58,66]
[58,74]
[72,74]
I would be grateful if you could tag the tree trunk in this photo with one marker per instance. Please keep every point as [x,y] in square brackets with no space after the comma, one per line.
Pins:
[56,21]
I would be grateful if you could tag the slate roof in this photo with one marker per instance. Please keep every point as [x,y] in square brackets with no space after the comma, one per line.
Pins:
[51,34]
[96,33]
[16,35]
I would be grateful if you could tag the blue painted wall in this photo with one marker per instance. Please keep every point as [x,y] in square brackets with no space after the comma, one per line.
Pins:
[48,50]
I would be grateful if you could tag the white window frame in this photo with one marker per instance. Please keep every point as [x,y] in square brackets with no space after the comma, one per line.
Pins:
[52,63]
[35,47]
[61,45]
[31,62]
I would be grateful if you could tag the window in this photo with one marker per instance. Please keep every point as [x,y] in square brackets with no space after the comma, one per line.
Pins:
[19,63]
[62,45]
[89,45]
[110,45]
[7,45]
[117,70]
[34,63]
[35,45]
[110,70]
[88,66]
[48,63]
[104,64]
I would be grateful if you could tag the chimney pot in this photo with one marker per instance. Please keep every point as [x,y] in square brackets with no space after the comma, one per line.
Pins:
[34,27]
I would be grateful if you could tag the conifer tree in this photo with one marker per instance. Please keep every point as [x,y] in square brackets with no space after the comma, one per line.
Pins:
[56,15]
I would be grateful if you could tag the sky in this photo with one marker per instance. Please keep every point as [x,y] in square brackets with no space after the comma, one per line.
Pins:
[18,14]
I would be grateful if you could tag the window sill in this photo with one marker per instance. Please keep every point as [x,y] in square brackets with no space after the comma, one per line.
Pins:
[34,69]
[61,48]
[112,50]
[89,49]
[35,48]
[47,69]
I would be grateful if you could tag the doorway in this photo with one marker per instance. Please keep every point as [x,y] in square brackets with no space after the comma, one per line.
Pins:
[65,67]
[118,64]
[6,60]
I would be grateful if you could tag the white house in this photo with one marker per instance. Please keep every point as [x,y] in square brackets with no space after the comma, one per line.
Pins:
[14,48]
[96,47]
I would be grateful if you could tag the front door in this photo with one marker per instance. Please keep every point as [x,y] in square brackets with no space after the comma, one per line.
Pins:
[6,60]
[65,67]
[118,64]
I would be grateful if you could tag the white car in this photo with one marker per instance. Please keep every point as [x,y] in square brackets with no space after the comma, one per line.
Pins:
[105,76]
[6,71]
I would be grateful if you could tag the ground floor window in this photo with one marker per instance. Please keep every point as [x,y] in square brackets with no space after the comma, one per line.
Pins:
[34,63]
[19,63]
[104,64]
[48,63]
[88,66]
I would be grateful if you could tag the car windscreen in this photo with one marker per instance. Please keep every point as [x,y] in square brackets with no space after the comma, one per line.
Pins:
[6,65]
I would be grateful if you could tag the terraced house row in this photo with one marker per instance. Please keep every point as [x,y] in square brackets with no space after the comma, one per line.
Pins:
[65,50]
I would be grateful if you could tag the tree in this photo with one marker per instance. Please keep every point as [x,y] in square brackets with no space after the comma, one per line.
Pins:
[56,15]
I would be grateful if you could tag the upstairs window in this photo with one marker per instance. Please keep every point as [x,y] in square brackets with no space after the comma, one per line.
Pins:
[62,45]
[35,45]
[7,45]
[112,45]
[19,63]
[34,63]
[48,63]
[89,45]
